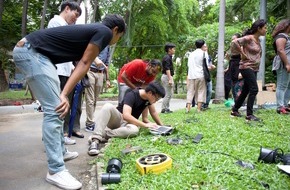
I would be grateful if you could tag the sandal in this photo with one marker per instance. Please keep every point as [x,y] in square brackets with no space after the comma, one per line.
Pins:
[78,134]
[93,149]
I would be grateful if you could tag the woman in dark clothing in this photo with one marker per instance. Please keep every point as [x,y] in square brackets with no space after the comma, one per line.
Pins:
[249,48]
[234,68]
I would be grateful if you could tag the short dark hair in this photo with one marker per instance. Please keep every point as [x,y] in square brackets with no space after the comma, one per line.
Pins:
[199,43]
[156,88]
[168,46]
[113,20]
[72,5]
[155,62]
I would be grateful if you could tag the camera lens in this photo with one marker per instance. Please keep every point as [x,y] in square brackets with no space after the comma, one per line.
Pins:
[108,178]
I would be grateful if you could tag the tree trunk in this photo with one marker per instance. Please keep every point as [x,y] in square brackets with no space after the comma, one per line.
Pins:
[288,9]
[43,15]
[24,18]
[86,11]
[1,10]
[220,87]
[3,79]
[96,5]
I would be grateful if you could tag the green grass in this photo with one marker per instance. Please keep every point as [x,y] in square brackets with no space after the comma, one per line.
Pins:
[108,95]
[14,95]
[196,166]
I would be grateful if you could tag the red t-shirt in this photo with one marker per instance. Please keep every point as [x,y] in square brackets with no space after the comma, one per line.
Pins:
[135,71]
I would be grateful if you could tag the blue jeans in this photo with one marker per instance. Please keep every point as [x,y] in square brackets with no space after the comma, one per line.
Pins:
[43,81]
[283,87]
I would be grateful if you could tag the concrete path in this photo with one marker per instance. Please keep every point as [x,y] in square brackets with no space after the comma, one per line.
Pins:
[23,162]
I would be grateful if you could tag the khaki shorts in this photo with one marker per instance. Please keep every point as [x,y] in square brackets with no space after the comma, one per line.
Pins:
[196,88]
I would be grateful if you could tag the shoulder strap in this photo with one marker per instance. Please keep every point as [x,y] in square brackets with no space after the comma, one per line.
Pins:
[280,35]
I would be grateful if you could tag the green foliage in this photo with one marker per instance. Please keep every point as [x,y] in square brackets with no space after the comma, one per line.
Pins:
[152,23]
[10,31]
[205,165]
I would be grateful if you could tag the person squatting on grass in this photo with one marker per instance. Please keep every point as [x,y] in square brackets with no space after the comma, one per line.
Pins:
[281,65]
[123,121]
[250,49]
[36,55]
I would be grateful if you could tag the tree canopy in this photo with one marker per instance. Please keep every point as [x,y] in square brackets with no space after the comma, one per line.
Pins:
[151,23]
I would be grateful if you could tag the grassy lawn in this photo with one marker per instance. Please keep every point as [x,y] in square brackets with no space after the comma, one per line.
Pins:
[14,95]
[20,94]
[211,164]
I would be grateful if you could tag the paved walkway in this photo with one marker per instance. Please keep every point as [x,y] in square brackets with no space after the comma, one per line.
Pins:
[23,162]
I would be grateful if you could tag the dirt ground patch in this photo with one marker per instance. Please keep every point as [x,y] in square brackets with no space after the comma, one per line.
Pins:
[8,102]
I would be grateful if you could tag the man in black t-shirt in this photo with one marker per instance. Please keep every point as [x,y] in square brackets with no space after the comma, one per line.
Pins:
[35,56]
[123,121]
[167,77]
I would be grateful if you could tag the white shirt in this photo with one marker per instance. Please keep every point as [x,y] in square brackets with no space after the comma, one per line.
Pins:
[63,69]
[195,62]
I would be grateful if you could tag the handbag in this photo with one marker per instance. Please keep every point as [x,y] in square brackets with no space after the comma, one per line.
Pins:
[206,72]
[85,81]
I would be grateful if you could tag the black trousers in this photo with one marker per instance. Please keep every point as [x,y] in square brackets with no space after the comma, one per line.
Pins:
[63,80]
[250,88]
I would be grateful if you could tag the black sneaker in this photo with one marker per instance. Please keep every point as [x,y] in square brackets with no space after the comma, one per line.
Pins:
[166,111]
[235,114]
[90,128]
[252,118]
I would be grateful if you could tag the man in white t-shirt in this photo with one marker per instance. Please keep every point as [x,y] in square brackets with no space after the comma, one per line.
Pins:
[69,13]
[196,86]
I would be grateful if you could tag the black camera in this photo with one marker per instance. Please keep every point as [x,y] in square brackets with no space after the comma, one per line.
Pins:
[286,159]
[113,172]
[271,156]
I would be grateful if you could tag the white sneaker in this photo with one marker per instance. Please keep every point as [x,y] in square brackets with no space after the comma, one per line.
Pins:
[69,141]
[69,155]
[64,180]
